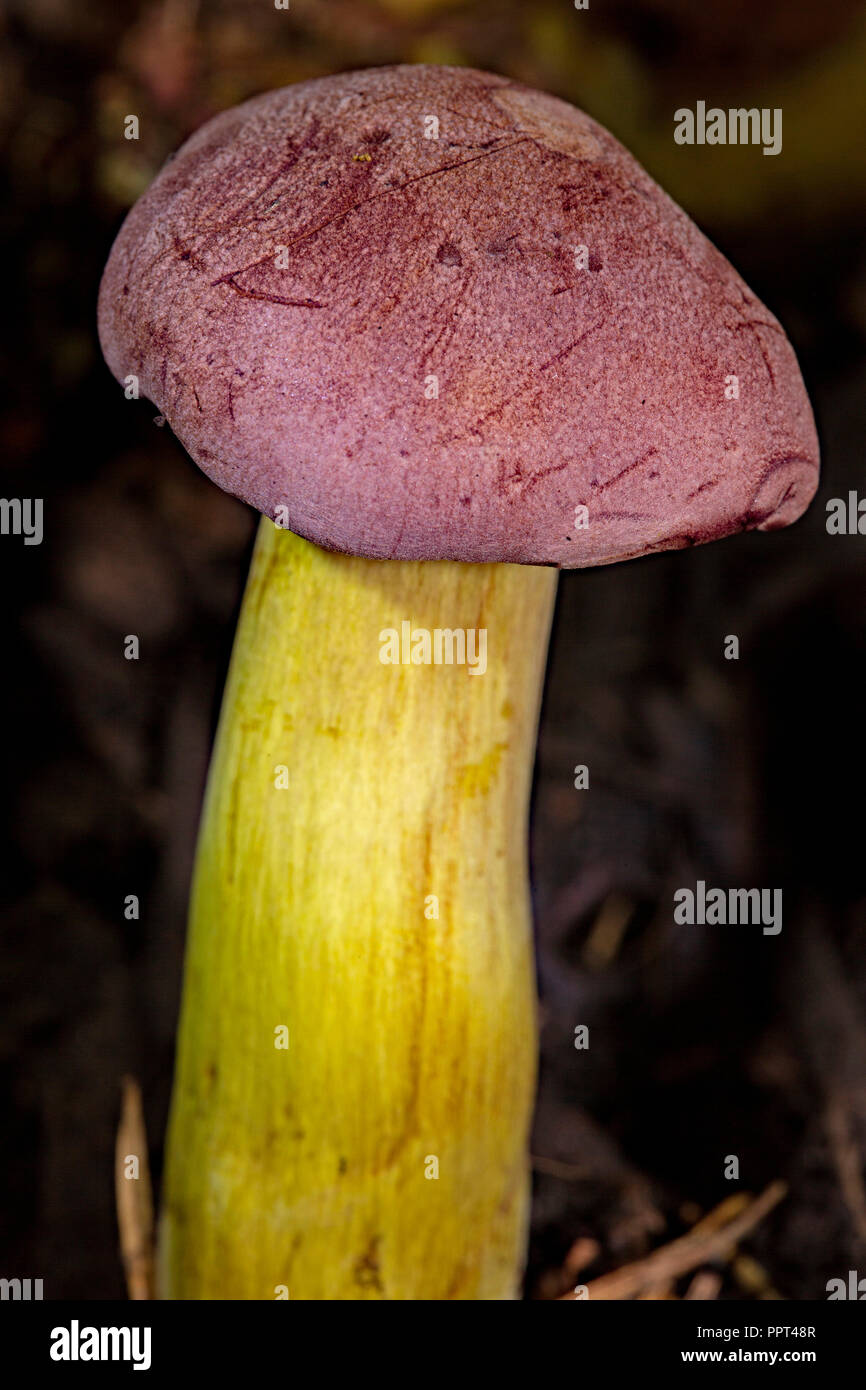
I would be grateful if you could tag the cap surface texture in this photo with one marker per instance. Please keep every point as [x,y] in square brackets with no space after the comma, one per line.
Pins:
[428,313]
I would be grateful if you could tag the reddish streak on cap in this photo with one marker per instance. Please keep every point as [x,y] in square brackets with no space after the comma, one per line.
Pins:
[310,267]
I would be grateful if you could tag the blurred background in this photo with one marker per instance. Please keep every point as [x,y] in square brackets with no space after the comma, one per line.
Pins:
[703,1043]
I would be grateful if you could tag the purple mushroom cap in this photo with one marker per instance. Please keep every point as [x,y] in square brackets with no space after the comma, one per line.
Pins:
[428,313]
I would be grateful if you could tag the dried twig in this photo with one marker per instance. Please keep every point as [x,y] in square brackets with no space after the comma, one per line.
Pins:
[582,1254]
[133,1195]
[705,1243]
[705,1286]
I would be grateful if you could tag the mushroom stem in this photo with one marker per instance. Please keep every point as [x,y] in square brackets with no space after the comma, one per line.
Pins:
[361,895]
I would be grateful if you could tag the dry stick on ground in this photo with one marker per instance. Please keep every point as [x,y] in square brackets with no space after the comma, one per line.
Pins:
[133,1194]
[584,1252]
[706,1242]
[705,1286]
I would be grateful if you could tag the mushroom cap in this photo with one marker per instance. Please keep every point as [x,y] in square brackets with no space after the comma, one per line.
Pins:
[428,313]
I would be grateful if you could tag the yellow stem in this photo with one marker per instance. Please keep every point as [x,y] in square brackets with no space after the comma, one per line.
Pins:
[357,1050]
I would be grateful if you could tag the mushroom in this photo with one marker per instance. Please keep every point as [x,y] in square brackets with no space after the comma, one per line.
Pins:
[448,337]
